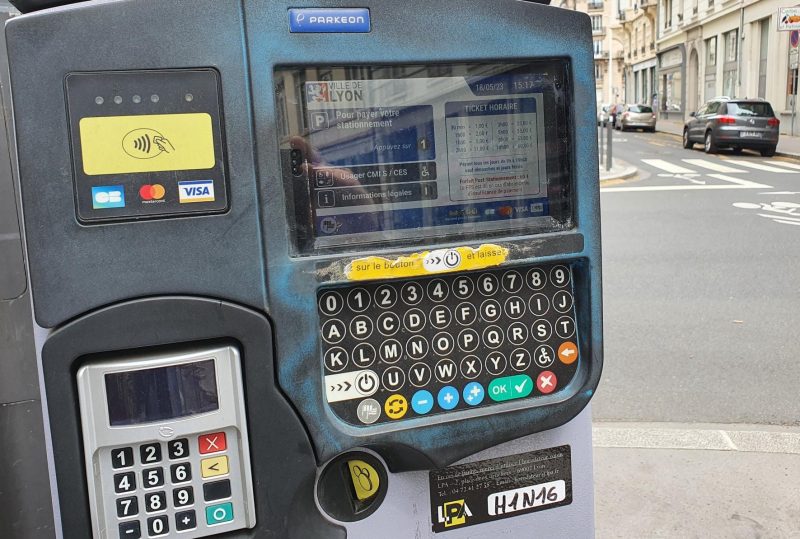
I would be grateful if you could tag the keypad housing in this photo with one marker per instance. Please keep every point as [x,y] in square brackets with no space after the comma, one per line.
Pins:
[417,347]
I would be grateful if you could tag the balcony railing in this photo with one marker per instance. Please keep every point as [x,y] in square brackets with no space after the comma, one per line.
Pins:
[600,30]
[600,54]
[595,5]
[648,3]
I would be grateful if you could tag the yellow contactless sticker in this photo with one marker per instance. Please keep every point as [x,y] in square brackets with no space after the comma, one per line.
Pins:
[427,263]
[365,479]
[147,143]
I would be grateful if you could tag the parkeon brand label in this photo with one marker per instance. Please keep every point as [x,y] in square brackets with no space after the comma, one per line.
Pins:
[504,487]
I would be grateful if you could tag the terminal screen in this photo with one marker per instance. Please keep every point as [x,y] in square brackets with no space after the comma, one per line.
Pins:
[162,393]
[376,154]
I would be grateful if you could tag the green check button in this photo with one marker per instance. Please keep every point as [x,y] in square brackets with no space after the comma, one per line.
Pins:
[510,388]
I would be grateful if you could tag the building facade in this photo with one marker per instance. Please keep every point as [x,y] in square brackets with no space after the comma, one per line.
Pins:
[711,48]
[609,60]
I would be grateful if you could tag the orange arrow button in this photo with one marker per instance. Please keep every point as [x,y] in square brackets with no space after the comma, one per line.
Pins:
[568,353]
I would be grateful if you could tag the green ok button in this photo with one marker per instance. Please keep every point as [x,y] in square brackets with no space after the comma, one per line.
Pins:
[510,387]
[217,514]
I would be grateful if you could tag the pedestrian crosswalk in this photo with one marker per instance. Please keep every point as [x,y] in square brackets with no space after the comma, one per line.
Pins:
[778,167]
[711,165]
[709,172]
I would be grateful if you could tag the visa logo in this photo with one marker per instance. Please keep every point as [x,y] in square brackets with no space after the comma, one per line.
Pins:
[108,196]
[196,191]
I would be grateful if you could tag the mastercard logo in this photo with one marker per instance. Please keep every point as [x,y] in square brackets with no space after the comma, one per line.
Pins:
[152,192]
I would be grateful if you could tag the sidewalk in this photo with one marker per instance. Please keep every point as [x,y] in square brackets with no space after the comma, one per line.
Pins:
[787,145]
[659,480]
[620,170]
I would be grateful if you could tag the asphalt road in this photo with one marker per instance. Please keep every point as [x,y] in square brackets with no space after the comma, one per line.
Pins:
[701,287]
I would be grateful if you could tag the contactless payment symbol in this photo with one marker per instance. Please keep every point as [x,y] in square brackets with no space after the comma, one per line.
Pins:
[146,143]
[108,196]
[196,191]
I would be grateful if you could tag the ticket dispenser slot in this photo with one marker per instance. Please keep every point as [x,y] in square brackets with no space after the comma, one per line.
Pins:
[165,444]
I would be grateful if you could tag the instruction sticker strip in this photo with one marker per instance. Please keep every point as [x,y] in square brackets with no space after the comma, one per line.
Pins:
[489,490]
[427,263]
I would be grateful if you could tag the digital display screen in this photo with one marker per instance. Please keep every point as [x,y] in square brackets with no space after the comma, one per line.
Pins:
[163,393]
[390,153]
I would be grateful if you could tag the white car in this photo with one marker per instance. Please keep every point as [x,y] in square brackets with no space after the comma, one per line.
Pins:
[602,114]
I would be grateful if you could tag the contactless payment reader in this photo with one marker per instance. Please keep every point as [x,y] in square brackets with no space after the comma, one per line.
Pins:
[312,270]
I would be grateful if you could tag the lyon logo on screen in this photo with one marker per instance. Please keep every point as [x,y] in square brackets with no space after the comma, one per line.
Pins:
[318,92]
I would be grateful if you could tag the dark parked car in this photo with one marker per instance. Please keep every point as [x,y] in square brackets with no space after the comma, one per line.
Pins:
[637,117]
[733,123]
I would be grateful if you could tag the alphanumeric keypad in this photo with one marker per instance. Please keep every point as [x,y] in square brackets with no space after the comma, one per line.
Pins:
[416,347]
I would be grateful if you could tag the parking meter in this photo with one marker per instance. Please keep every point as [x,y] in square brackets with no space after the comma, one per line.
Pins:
[310,269]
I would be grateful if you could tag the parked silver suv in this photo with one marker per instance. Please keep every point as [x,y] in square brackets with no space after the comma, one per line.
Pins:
[735,124]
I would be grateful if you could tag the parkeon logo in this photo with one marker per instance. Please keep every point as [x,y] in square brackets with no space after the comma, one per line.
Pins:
[454,513]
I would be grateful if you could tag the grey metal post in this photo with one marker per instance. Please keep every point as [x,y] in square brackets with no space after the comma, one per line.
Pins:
[609,138]
[600,142]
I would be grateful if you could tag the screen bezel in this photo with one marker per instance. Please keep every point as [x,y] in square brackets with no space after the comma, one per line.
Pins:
[558,123]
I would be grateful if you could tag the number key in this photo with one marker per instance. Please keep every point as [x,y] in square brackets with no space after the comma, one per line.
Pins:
[153,477]
[182,497]
[412,293]
[122,457]
[150,453]
[178,449]
[385,296]
[157,526]
[180,473]
[487,284]
[124,482]
[155,502]
[127,507]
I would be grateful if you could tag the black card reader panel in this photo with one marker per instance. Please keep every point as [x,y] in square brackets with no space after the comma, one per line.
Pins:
[146,144]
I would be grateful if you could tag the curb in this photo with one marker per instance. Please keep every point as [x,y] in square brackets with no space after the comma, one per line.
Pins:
[626,173]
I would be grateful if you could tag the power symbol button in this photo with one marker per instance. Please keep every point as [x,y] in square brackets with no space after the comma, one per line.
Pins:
[367,382]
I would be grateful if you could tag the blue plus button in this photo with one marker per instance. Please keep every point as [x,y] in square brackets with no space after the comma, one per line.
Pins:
[217,514]
[422,402]
[474,393]
[448,397]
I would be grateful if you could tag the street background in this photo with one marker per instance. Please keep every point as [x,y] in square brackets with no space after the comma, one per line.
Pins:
[697,420]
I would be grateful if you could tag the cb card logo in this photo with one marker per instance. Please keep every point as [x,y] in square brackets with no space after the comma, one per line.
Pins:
[453,513]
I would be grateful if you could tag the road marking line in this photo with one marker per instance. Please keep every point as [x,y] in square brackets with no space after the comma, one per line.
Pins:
[669,436]
[711,166]
[677,188]
[738,181]
[789,165]
[759,166]
[664,165]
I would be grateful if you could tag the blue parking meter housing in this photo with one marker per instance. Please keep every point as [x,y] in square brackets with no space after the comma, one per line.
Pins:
[390,219]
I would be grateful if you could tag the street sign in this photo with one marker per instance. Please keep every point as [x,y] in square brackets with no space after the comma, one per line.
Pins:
[794,38]
[788,19]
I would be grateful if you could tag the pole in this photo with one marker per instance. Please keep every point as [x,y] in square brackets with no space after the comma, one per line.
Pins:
[600,142]
[609,138]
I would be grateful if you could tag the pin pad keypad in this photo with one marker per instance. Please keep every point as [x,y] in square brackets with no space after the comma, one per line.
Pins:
[161,489]
[411,348]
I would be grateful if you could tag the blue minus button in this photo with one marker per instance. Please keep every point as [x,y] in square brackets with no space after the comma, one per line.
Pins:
[422,402]
[328,21]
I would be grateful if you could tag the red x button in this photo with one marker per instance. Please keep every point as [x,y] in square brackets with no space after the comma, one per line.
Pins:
[546,382]
[212,443]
